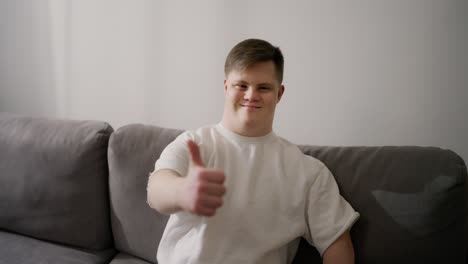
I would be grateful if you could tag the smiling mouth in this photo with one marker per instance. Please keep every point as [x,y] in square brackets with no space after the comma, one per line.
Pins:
[251,106]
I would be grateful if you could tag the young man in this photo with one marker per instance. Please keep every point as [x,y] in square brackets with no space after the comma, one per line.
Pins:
[238,193]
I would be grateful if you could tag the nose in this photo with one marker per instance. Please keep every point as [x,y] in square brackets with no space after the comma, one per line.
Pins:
[251,95]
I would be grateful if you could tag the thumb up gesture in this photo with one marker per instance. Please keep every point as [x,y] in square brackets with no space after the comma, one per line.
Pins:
[203,189]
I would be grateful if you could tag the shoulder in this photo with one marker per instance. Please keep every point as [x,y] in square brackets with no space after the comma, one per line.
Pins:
[206,131]
[286,145]
[206,138]
[309,166]
[176,156]
[198,135]
[294,150]
[206,135]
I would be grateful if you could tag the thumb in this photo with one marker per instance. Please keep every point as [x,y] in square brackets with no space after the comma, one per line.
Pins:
[195,153]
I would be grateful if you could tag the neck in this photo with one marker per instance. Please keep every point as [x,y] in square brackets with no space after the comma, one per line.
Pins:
[246,130]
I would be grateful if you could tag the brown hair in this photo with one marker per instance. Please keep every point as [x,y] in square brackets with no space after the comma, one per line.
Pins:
[251,51]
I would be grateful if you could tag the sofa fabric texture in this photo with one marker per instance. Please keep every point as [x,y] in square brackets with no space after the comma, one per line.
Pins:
[53,180]
[20,249]
[123,258]
[412,201]
[75,192]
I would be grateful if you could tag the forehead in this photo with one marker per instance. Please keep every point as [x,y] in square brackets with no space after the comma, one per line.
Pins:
[260,72]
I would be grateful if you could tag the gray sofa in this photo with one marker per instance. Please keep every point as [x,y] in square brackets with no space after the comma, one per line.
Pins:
[75,192]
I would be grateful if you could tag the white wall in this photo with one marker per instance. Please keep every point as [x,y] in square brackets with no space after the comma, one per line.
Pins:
[26,85]
[356,73]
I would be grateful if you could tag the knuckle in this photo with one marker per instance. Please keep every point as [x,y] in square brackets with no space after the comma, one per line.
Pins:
[210,212]
[197,185]
[196,203]
[202,173]
[222,178]
[197,200]
[200,187]
[222,190]
[198,209]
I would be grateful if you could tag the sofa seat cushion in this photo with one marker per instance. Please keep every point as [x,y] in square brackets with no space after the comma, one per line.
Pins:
[16,248]
[123,258]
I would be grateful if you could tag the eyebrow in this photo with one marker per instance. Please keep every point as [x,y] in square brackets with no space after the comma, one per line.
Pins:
[265,84]
[260,84]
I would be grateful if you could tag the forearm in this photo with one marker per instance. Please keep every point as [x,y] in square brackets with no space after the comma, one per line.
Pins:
[162,191]
[341,251]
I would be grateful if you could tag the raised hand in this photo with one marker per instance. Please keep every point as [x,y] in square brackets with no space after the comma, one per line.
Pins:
[203,189]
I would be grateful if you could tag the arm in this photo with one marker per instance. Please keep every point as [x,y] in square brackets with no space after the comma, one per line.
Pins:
[162,191]
[341,251]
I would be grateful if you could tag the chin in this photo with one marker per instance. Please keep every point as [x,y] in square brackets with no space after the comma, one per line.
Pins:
[250,122]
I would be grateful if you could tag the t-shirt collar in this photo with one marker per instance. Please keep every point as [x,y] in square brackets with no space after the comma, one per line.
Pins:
[243,139]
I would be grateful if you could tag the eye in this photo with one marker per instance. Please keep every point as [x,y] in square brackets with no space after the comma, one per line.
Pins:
[240,86]
[264,88]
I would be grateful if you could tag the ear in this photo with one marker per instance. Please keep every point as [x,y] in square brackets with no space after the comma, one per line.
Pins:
[225,86]
[280,93]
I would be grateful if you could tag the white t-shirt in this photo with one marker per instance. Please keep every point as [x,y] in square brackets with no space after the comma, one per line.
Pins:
[275,195]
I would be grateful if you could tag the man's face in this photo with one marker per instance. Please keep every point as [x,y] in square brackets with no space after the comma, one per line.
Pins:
[251,96]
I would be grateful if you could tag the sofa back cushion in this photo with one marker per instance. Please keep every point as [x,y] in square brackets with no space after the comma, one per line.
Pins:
[133,151]
[53,180]
[412,201]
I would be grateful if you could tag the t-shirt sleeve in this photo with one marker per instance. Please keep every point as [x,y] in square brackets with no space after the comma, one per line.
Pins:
[329,215]
[176,156]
